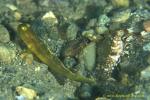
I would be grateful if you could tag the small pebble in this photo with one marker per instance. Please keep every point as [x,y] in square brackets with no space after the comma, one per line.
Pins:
[91,35]
[102,98]
[146,25]
[120,3]
[145,74]
[27,57]
[26,92]
[17,15]
[101,30]
[72,31]
[103,20]
[20,97]
[50,16]
[144,34]
[12,7]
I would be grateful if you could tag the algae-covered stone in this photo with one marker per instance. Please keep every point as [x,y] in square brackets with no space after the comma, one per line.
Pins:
[121,16]
[103,20]
[89,56]
[90,34]
[4,34]
[145,74]
[101,30]
[120,3]
[72,31]
[7,53]
[91,23]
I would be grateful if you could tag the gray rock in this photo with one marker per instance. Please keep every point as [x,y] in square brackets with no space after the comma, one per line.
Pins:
[4,35]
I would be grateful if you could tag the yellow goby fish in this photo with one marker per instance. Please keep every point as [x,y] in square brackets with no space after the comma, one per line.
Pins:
[39,49]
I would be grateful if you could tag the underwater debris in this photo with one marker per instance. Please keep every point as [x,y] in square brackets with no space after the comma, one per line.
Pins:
[40,50]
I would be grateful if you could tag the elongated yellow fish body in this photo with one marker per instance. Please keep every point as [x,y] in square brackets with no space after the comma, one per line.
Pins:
[39,49]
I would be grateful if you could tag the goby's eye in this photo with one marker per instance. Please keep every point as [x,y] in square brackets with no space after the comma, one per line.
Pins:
[24,28]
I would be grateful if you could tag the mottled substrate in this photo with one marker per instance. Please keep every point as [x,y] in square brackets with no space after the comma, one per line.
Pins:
[81,33]
[34,76]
